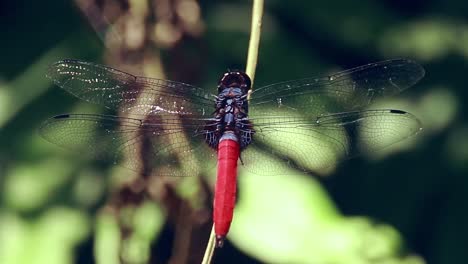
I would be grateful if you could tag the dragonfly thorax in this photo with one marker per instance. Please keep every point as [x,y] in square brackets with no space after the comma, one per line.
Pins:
[230,109]
[231,113]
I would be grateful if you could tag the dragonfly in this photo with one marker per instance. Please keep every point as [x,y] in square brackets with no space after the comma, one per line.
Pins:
[180,129]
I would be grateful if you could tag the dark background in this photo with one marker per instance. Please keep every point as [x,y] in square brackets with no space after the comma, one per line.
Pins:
[416,192]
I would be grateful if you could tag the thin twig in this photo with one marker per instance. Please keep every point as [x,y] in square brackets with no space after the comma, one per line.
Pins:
[209,248]
[254,42]
[252,58]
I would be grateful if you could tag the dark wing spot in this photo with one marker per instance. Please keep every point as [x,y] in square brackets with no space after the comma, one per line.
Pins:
[397,112]
[62,116]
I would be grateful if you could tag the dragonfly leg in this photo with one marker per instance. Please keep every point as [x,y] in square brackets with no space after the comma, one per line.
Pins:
[240,158]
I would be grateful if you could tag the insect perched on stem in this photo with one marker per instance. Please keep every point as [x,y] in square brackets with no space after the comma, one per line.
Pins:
[305,124]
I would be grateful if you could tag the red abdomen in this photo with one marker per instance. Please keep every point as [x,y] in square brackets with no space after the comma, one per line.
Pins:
[225,189]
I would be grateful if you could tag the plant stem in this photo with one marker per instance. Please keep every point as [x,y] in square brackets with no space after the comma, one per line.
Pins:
[255,31]
[252,58]
[209,248]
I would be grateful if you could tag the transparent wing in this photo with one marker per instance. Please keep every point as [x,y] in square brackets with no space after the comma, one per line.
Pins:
[314,123]
[127,93]
[305,123]
[175,146]
[349,90]
[315,144]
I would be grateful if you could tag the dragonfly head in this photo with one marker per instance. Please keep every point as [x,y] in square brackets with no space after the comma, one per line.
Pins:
[235,79]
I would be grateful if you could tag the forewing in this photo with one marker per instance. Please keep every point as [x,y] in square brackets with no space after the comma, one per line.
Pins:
[174,146]
[349,90]
[127,93]
[316,144]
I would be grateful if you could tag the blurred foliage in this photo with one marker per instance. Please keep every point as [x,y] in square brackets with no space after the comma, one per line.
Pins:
[406,204]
